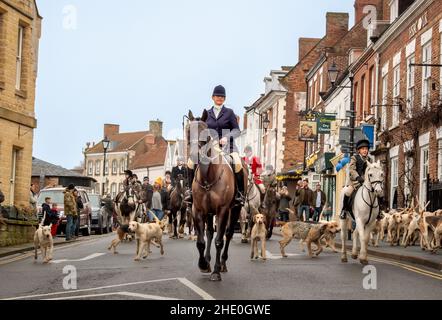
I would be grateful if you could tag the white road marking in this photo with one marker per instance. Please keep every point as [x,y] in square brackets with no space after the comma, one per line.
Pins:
[89,257]
[279,256]
[120,293]
[203,294]
[90,289]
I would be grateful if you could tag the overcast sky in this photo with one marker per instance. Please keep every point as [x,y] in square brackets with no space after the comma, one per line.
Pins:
[128,62]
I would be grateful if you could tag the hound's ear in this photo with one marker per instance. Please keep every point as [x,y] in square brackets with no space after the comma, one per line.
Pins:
[379,163]
[205,116]
[190,116]
[369,165]
[254,218]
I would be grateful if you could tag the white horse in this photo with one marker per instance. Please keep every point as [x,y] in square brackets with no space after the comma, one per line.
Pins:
[366,210]
[252,204]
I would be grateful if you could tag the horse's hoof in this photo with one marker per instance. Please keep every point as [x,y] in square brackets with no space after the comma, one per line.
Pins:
[354,256]
[224,269]
[363,262]
[244,241]
[215,277]
[344,260]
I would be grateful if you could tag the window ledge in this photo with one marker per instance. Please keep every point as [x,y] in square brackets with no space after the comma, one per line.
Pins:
[21,93]
[393,127]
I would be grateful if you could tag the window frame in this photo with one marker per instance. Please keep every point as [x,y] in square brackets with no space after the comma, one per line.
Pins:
[97,167]
[90,168]
[423,172]
[439,159]
[396,94]
[426,73]
[384,122]
[19,57]
[115,166]
[411,85]
[394,178]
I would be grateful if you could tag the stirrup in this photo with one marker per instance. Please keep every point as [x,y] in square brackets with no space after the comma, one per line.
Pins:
[343,215]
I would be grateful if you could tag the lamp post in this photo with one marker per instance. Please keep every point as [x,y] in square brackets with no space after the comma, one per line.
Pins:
[333,73]
[106,144]
[266,123]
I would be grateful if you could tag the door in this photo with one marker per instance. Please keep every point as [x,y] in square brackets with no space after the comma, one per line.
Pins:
[13,176]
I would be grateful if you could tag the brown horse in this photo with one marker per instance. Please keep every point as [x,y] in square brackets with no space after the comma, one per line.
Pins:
[177,205]
[270,207]
[213,196]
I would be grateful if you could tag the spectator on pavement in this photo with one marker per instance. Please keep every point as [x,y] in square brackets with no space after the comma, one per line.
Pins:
[319,200]
[305,195]
[284,204]
[80,207]
[33,195]
[70,210]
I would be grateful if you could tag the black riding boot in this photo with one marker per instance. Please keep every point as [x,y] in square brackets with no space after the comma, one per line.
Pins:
[381,207]
[190,177]
[239,196]
[345,208]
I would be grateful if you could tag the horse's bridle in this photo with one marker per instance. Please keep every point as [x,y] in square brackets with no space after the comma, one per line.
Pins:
[372,201]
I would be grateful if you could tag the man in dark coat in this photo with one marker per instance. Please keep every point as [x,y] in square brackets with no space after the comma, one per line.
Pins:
[180,169]
[225,123]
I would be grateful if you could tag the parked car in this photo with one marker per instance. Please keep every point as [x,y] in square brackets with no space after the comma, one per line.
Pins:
[57,196]
[101,217]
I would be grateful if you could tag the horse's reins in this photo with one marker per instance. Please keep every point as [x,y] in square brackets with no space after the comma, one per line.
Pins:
[371,200]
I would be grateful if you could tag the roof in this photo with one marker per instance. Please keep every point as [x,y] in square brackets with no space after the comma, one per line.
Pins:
[123,142]
[40,167]
[156,156]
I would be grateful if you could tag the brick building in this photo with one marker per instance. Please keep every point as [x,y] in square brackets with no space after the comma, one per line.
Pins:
[409,115]
[20,27]
[141,152]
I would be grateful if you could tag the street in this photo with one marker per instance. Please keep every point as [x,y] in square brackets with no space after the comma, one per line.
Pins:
[102,275]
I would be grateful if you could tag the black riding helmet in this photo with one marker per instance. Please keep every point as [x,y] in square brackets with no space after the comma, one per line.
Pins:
[363,143]
[129,173]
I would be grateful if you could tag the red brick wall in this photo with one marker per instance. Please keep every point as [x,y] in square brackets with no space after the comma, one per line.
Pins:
[434,14]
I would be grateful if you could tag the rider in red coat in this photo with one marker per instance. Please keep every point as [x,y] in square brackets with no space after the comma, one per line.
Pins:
[255,166]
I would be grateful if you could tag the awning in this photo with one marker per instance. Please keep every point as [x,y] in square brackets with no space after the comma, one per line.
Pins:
[290,176]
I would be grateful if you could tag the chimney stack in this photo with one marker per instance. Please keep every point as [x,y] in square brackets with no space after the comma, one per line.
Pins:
[305,45]
[337,26]
[156,128]
[111,129]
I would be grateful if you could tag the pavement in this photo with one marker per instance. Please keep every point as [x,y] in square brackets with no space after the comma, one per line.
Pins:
[91,272]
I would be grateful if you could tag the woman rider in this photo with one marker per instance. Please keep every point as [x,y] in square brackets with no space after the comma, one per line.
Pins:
[223,120]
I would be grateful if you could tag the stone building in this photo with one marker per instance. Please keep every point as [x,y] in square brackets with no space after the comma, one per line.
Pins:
[20,28]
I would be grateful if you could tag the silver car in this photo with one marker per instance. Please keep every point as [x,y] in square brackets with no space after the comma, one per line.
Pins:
[101,217]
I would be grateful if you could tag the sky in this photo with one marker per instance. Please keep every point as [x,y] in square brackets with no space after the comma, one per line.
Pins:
[129,62]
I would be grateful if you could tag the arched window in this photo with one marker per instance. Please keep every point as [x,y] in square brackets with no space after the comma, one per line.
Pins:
[106,169]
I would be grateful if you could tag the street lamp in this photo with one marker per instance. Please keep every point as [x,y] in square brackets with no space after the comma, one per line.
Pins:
[106,144]
[333,73]
[266,123]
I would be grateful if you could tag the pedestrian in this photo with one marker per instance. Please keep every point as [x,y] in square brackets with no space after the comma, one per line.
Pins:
[319,200]
[167,182]
[46,212]
[55,219]
[157,205]
[284,204]
[305,195]
[33,195]
[80,207]
[255,166]
[70,210]
[165,197]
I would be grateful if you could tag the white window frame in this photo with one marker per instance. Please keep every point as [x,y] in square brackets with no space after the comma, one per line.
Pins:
[394,178]
[19,57]
[394,10]
[424,167]
[114,167]
[384,102]
[113,190]
[106,168]
[396,94]
[98,167]
[90,168]
[373,88]
[122,165]
[409,163]
[426,74]
[411,83]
